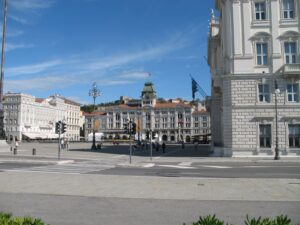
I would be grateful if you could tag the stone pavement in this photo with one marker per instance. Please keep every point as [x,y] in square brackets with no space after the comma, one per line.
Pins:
[89,185]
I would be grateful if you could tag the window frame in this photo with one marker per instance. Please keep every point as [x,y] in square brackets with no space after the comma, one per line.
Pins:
[288,20]
[260,12]
[293,136]
[265,136]
[262,54]
[290,54]
[283,10]
[293,92]
[263,93]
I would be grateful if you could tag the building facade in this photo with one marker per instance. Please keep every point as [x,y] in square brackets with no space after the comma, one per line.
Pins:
[171,121]
[253,54]
[27,117]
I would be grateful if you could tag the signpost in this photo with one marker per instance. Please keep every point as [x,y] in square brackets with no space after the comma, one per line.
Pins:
[130,128]
[60,128]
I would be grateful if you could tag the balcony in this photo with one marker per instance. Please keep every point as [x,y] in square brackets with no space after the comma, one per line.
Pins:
[290,70]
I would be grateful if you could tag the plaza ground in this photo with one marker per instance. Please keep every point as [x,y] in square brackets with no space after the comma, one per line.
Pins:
[102,187]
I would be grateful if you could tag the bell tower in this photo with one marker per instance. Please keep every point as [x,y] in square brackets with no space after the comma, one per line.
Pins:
[148,95]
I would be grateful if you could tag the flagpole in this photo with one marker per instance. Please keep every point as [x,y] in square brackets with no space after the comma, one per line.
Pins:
[3,49]
[2,133]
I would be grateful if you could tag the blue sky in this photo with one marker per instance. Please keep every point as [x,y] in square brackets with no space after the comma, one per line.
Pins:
[63,46]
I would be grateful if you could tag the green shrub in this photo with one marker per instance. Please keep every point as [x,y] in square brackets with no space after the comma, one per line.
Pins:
[212,220]
[208,220]
[279,220]
[4,218]
[7,219]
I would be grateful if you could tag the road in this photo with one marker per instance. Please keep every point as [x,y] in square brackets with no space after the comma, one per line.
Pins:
[103,188]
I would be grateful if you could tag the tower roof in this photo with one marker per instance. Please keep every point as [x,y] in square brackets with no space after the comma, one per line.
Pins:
[149,90]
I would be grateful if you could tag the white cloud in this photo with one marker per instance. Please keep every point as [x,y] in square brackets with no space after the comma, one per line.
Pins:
[134,75]
[39,83]
[14,33]
[106,71]
[10,47]
[18,19]
[33,68]
[31,5]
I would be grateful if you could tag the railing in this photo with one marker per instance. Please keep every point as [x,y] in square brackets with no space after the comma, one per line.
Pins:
[290,69]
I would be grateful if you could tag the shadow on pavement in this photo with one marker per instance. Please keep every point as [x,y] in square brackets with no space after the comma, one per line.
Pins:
[171,151]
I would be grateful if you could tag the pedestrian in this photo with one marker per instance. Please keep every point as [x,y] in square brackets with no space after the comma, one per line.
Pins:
[17,144]
[62,144]
[182,144]
[157,146]
[67,144]
[163,147]
[196,145]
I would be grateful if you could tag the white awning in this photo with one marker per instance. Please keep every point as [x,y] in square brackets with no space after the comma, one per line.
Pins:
[30,135]
[40,135]
[52,136]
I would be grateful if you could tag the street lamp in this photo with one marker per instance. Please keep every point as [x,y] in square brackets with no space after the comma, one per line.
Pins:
[139,124]
[277,91]
[94,92]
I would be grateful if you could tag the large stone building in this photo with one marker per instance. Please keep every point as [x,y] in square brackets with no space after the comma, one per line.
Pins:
[253,51]
[172,121]
[27,117]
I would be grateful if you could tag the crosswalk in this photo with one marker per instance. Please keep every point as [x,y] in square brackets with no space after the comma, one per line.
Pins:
[97,166]
[68,168]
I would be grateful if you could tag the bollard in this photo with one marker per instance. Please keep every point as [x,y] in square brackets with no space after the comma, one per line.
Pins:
[15,151]
[33,151]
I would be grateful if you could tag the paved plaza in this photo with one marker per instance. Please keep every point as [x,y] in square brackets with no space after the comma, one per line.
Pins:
[174,187]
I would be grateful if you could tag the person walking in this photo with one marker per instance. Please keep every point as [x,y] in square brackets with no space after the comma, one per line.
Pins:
[163,147]
[62,143]
[157,146]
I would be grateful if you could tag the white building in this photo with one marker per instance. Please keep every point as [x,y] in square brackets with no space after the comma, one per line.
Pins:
[27,117]
[172,121]
[253,45]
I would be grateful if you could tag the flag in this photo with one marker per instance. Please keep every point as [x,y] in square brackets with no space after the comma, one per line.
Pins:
[194,87]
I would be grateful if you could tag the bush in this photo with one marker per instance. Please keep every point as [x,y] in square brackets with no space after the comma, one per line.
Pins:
[212,220]
[7,219]
[208,220]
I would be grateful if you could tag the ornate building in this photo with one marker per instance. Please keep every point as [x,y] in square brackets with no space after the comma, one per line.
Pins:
[253,54]
[172,121]
[27,117]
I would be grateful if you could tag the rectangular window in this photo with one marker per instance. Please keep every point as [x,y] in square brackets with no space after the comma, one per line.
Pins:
[290,52]
[261,53]
[293,92]
[288,9]
[265,135]
[263,93]
[294,135]
[260,11]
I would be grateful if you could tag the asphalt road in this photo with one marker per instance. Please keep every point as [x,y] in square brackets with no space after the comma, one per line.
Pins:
[164,169]
[213,170]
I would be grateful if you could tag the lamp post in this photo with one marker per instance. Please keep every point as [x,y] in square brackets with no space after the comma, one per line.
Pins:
[277,91]
[94,92]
